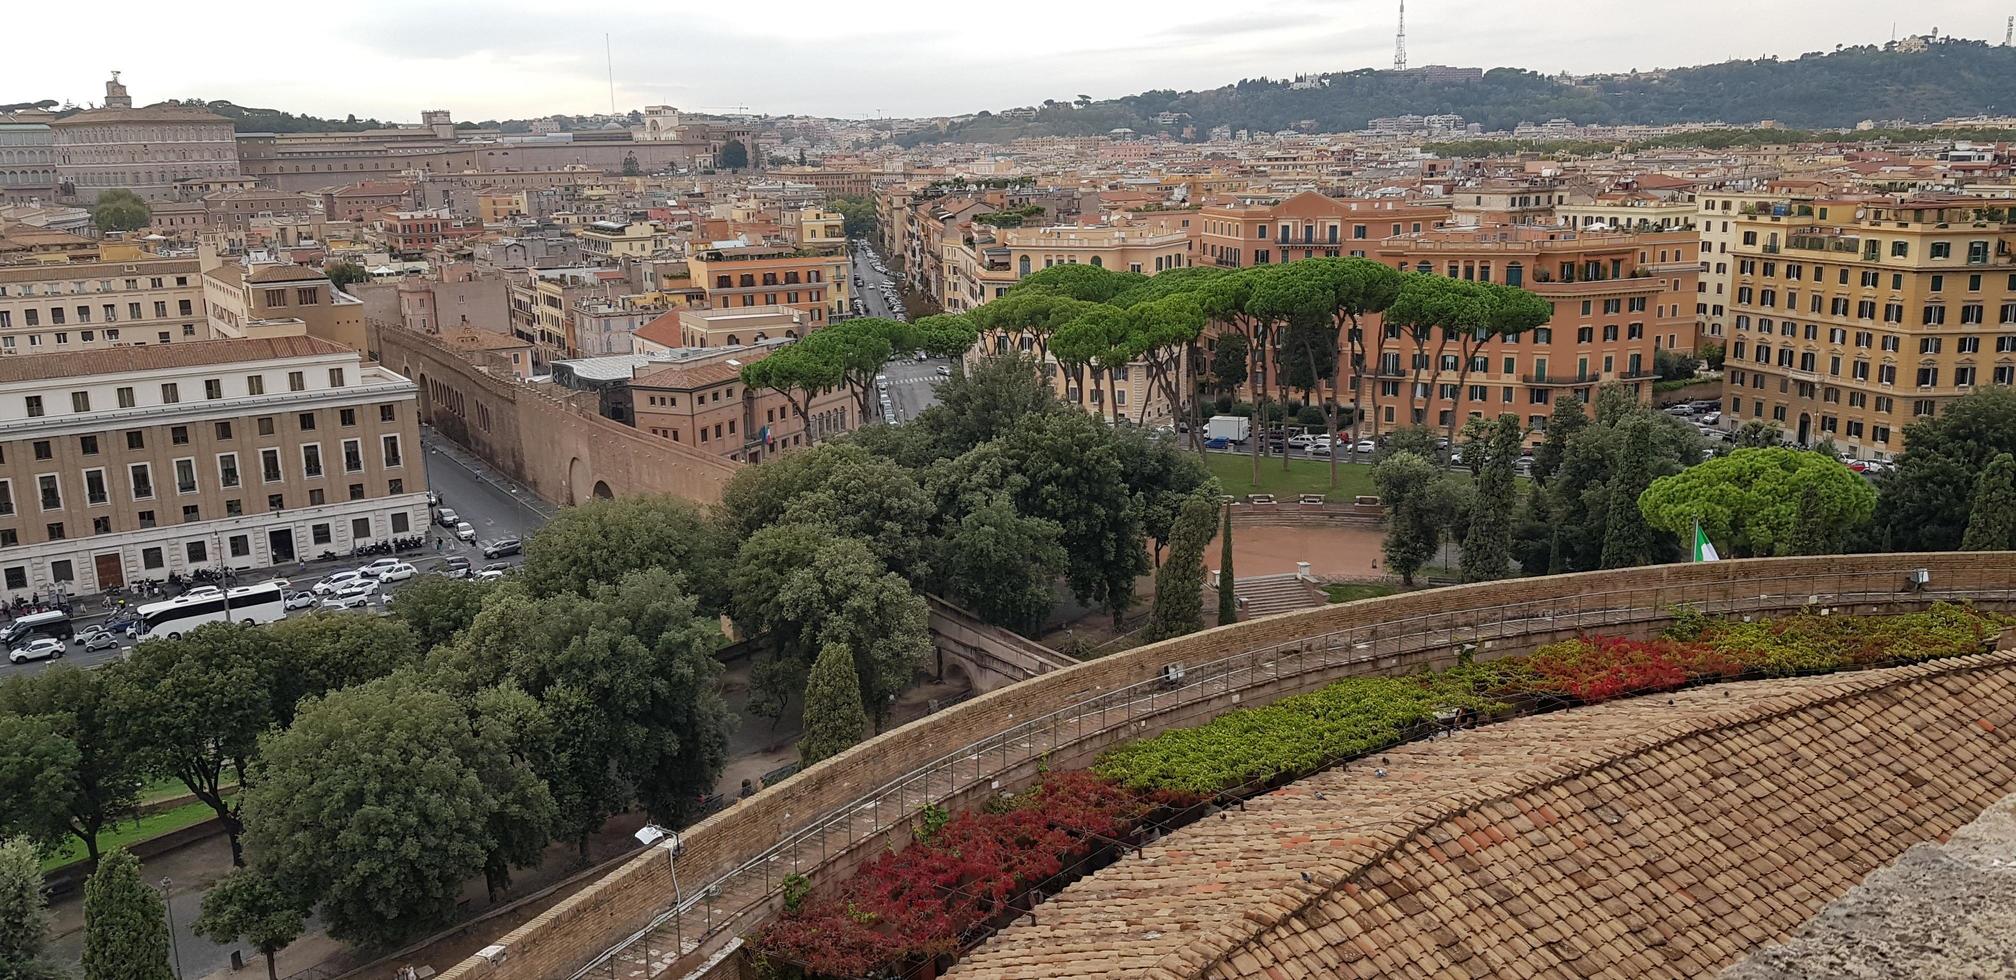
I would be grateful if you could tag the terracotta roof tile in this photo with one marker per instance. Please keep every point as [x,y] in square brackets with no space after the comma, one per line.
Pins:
[1639,838]
[115,360]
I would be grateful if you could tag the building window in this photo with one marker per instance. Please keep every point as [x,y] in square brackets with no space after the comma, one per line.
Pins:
[360,527]
[171,393]
[185,476]
[297,381]
[141,476]
[52,491]
[387,413]
[311,460]
[178,435]
[276,501]
[191,514]
[126,399]
[197,552]
[335,377]
[255,384]
[227,469]
[35,406]
[306,421]
[401,523]
[269,465]
[390,447]
[346,416]
[318,533]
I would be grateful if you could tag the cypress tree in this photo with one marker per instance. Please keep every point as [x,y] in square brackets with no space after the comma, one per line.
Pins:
[125,923]
[1228,604]
[834,717]
[1627,538]
[1991,519]
[1488,546]
[24,923]
[1179,584]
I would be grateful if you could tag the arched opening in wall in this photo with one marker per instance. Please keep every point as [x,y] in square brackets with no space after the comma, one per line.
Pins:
[426,396]
[602,491]
[577,481]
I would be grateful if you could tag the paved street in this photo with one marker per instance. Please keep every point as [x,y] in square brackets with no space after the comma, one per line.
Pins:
[870,291]
[493,504]
[913,384]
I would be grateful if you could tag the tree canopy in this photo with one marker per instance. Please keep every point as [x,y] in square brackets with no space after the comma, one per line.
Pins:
[120,210]
[1751,500]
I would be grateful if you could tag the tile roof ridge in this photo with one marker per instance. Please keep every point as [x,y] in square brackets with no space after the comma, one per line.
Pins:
[1328,877]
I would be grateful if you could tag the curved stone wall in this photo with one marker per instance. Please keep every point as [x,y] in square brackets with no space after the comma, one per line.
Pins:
[821,821]
[1654,837]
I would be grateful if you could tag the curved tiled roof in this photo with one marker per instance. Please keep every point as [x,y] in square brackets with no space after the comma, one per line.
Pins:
[1653,837]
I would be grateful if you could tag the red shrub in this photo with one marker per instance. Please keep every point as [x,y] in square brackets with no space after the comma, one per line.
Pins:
[1597,668]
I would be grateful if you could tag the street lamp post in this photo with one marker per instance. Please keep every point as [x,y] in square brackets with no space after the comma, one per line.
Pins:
[174,946]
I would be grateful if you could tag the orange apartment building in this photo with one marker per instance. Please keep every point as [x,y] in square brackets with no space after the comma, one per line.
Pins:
[736,276]
[1618,298]
[1262,230]
[703,403]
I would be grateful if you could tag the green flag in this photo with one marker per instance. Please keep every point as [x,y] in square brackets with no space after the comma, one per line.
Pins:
[1704,549]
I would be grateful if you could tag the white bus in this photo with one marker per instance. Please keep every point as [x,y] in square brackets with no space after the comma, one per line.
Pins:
[252,604]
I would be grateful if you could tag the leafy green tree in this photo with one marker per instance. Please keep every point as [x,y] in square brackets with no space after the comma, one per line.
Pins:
[345,274]
[101,777]
[125,923]
[808,589]
[193,708]
[603,540]
[1757,434]
[435,607]
[1412,533]
[1228,601]
[834,717]
[1628,540]
[246,904]
[987,402]
[858,216]
[379,803]
[120,210]
[1750,499]
[625,675]
[1927,501]
[1001,564]
[1991,519]
[1416,439]
[37,779]
[1071,472]
[733,156]
[316,654]
[1569,416]
[1229,356]
[1179,583]
[24,919]
[800,373]
[1488,545]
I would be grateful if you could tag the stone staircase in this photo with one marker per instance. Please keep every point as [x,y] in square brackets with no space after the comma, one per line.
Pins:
[1268,595]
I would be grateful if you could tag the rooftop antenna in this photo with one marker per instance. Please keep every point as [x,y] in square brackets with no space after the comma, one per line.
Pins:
[1400,40]
[610,62]
[2009,36]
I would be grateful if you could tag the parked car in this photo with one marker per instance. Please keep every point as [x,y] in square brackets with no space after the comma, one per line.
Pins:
[446,517]
[1217,443]
[456,567]
[299,600]
[341,604]
[1307,440]
[945,371]
[490,575]
[465,531]
[363,587]
[335,583]
[502,547]
[398,572]
[1366,446]
[39,648]
[103,639]
[378,567]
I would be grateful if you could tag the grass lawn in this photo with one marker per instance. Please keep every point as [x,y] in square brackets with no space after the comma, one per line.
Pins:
[1302,476]
[128,832]
[1353,591]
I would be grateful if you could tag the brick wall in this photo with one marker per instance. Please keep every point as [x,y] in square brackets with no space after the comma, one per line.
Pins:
[1390,634]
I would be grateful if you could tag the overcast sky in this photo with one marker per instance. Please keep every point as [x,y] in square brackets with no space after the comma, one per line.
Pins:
[500,59]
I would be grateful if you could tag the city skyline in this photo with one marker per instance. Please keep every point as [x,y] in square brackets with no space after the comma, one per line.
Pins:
[525,60]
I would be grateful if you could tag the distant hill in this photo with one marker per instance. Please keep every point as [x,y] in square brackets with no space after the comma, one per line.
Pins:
[1822,91]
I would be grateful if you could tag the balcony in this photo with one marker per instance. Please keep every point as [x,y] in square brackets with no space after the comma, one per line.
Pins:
[1586,378]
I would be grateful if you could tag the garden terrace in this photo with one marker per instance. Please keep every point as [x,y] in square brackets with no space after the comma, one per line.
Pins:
[826,820]
[1659,836]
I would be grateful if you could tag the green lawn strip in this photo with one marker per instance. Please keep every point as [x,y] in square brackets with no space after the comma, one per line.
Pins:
[1354,591]
[130,832]
[1235,473]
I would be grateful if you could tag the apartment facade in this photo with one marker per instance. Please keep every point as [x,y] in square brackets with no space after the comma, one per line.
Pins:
[280,300]
[1852,321]
[1721,213]
[132,463]
[1250,231]
[1618,299]
[761,275]
[93,305]
[703,403]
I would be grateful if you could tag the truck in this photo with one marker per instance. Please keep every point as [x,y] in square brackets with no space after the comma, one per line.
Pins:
[1231,428]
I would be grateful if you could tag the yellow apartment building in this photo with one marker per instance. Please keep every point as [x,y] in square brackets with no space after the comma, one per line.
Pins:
[1849,323]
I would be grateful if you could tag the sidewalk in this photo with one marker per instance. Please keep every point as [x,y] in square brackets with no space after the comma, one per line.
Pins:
[484,472]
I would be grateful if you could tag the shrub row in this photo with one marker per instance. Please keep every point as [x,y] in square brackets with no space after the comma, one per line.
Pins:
[909,906]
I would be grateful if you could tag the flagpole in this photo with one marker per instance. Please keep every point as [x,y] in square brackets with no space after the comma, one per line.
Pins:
[1694,543]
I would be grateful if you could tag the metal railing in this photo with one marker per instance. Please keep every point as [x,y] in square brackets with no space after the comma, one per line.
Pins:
[698,915]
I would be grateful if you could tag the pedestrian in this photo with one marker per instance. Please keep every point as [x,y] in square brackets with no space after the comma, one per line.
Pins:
[437,544]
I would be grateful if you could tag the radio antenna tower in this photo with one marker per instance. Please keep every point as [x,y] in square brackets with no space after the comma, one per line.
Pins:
[1400,40]
[2009,36]
[609,61]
